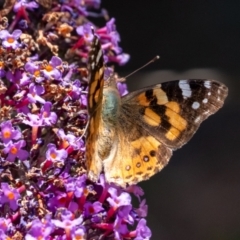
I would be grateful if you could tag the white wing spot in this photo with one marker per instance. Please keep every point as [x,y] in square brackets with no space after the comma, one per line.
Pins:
[205,100]
[185,87]
[209,93]
[93,65]
[197,119]
[98,56]
[195,105]
[206,112]
[207,84]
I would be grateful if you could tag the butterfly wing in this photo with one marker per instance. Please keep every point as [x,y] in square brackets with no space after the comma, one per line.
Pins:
[173,111]
[139,155]
[156,120]
[95,95]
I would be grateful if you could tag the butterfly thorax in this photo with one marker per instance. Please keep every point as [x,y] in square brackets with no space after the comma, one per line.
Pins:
[109,119]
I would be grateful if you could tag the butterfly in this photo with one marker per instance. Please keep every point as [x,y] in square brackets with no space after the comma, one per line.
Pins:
[131,138]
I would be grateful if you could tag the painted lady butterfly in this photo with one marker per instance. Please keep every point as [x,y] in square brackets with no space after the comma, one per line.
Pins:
[132,138]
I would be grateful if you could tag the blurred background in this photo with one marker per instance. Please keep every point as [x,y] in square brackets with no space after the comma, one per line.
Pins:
[197,196]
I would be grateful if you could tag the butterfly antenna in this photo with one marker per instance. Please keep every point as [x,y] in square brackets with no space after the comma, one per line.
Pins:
[151,61]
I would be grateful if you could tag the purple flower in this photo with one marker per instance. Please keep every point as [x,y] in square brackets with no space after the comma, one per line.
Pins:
[4,224]
[14,76]
[92,208]
[121,59]
[49,118]
[122,88]
[8,132]
[116,200]
[40,229]
[110,25]
[33,120]
[80,186]
[54,154]
[51,70]
[120,228]
[34,92]
[69,140]
[67,222]
[13,151]
[57,201]
[24,80]
[85,31]
[9,195]
[143,232]
[93,3]
[124,212]
[78,233]
[24,3]
[34,71]
[10,40]
[3,236]
[76,90]
[143,209]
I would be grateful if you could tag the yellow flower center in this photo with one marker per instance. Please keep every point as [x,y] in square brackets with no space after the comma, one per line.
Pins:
[10,195]
[10,39]
[49,68]
[7,134]
[37,73]
[53,155]
[78,237]
[14,150]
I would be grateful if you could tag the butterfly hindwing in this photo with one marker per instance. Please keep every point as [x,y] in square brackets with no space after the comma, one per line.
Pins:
[138,155]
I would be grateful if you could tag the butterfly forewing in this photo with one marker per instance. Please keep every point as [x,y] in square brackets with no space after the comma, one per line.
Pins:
[96,74]
[95,96]
[172,111]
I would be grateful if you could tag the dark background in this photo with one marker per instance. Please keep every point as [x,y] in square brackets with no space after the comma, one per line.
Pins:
[197,196]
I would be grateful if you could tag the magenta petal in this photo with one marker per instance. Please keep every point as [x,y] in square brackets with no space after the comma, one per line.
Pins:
[23,154]
[17,33]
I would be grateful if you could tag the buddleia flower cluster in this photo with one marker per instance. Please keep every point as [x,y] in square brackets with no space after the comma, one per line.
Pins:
[44,191]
